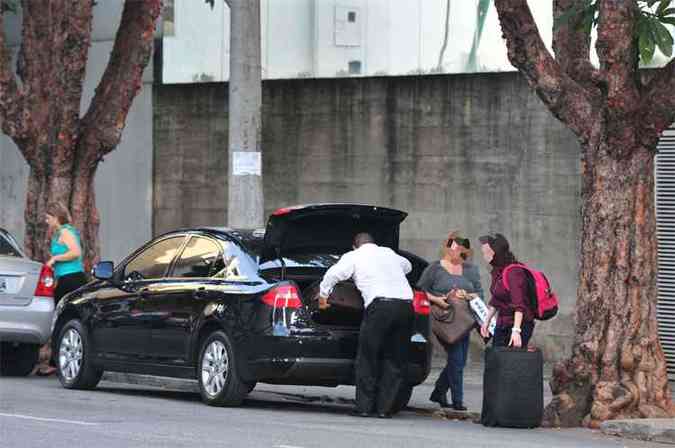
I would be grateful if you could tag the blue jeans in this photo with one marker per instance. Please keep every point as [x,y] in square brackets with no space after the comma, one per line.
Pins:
[452,376]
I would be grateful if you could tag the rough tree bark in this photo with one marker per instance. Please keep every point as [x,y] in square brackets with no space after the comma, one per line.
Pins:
[617,368]
[41,113]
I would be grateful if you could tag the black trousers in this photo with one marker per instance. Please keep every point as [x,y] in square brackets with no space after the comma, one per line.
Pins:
[68,283]
[382,359]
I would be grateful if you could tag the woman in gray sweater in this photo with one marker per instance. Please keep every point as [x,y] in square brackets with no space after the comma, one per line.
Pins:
[452,276]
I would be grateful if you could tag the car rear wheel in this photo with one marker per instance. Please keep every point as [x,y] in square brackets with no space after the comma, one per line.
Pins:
[75,366]
[18,359]
[219,382]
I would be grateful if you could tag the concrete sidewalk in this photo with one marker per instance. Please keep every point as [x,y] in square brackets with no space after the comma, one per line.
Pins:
[661,430]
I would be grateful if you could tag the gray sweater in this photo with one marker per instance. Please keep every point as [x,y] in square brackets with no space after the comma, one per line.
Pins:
[438,281]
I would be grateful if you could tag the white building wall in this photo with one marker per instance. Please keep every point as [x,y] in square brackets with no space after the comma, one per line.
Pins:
[313,38]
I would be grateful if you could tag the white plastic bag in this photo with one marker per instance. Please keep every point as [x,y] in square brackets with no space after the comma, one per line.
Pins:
[480,310]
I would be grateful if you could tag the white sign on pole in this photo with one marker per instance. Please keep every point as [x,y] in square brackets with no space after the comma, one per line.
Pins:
[246,163]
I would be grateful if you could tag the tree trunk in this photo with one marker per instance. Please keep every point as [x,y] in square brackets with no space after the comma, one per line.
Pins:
[85,216]
[59,180]
[617,368]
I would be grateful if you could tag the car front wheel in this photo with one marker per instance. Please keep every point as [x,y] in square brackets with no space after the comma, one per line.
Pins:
[75,366]
[219,383]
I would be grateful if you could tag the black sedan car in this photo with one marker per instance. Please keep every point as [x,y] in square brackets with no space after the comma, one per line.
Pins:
[231,308]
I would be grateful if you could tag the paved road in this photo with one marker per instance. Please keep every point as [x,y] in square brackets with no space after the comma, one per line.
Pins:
[37,412]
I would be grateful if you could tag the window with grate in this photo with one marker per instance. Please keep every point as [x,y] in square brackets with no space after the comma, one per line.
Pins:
[665,228]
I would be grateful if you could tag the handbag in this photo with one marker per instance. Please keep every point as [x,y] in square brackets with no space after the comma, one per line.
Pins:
[452,324]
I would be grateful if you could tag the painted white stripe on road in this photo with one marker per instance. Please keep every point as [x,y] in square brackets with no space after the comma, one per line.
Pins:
[288,446]
[54,420]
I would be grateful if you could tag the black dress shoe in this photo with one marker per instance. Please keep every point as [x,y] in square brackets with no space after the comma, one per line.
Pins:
[439,398]
[357,413]
[384,415]
[459,407]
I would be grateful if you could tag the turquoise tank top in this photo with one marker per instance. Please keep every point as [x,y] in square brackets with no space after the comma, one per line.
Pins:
[62,268]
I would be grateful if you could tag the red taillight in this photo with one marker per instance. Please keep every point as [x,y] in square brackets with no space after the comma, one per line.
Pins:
[45,285]
[421,303]
[282,211]
[285,296]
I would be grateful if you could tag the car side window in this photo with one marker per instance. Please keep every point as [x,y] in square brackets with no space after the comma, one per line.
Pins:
[236,264]
[7,249]
[200,258]
[153,261]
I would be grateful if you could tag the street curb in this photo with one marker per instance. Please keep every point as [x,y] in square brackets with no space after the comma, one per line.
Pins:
[660,430]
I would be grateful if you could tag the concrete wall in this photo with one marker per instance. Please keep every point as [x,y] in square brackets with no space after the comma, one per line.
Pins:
[471,152]
[123,181]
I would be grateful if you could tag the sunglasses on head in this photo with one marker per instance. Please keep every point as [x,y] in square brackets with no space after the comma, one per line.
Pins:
[464,242]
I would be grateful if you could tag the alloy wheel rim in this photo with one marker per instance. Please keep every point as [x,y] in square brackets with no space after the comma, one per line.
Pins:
[215,367]
[70,354]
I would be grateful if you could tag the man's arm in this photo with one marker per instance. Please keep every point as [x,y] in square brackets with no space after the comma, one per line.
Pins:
[340,271]
[405,264]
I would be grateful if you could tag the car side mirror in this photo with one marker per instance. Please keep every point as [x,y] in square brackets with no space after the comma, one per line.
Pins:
[103,270]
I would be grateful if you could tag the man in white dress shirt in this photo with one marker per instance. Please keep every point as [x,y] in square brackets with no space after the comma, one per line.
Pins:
[381,363]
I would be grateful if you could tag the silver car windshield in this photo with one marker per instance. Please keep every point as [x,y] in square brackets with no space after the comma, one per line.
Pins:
[8,245]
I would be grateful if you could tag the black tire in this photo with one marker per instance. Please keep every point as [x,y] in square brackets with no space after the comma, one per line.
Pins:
[402,399]
[233,389]
[17,359]
[88,375]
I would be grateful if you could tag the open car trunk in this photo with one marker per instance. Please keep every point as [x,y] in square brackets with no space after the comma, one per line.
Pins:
[302,242]
[309,274]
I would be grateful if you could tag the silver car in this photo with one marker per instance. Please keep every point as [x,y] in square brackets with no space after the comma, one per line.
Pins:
[26,307]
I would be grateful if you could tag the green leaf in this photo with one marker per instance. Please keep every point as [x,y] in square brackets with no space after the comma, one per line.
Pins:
[667,12]
[662,7]
[668,20]
[646,43]
[663,38]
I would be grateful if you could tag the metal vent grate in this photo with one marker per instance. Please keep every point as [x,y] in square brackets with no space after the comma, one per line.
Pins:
[665,229]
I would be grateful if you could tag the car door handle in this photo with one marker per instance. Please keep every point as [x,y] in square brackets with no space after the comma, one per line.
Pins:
[200,293]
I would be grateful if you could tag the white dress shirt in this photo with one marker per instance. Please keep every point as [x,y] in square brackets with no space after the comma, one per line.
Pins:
[376,271]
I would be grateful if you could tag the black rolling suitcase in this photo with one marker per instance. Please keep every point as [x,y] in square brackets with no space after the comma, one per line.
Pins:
[513,388]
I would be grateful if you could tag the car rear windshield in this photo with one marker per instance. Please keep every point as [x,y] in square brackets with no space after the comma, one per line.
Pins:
[7,249]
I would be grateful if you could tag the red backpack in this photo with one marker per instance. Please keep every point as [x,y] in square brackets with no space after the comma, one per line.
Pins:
[543,301]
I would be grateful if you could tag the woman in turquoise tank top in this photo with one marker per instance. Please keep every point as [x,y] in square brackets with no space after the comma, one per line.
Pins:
[66,260]
[66,251]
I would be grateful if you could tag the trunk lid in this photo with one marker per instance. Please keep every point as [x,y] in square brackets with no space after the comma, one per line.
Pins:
[328,228]
[18,280]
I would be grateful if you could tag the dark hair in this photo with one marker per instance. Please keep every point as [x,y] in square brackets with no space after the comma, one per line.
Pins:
[60,212]
[362,238]
[500,245]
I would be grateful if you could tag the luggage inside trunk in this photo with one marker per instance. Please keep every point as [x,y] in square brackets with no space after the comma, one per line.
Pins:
[346,304]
